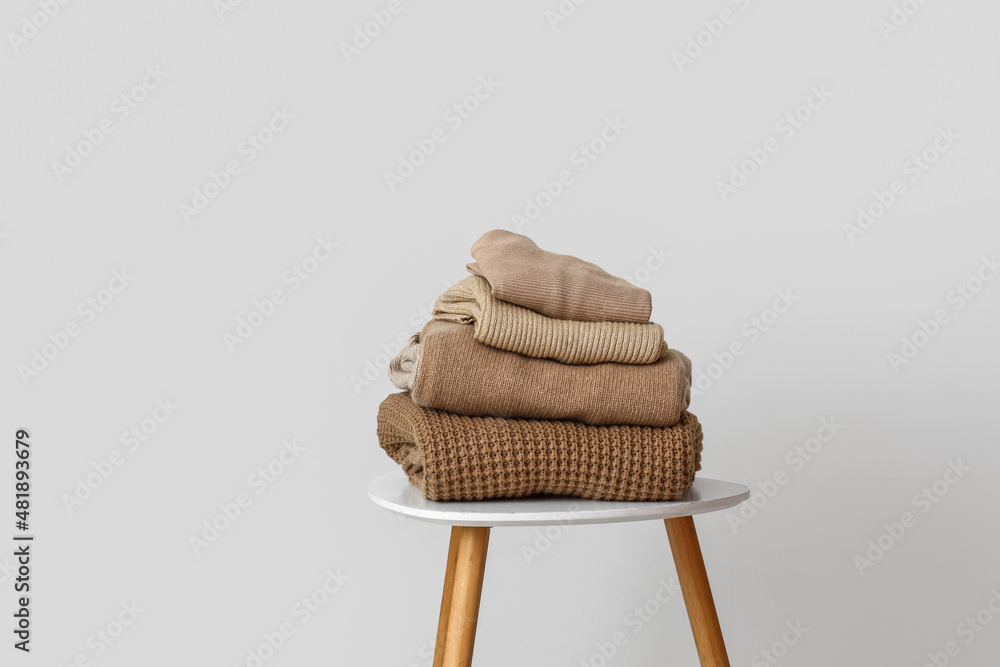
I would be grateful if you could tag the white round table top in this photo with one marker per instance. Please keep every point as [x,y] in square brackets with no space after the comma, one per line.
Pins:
[393,491]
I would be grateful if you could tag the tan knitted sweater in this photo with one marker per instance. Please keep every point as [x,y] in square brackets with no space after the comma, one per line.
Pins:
[509,327]
[455,457]
[562,287]
[447,368]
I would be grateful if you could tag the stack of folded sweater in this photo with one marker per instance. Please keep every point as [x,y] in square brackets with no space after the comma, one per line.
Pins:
[541,374]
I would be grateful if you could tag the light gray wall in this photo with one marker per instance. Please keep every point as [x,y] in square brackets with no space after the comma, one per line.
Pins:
[885,95]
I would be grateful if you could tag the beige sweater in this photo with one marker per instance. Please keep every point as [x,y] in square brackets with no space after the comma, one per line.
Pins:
[454,457]
[562,287]
[509,327]
[446,368]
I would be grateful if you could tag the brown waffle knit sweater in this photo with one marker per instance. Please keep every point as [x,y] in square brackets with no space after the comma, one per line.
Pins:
[446,368]
[562,287]
[509,327]
[455,457]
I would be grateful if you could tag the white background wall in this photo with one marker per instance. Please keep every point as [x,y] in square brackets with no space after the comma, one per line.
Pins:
[656,186]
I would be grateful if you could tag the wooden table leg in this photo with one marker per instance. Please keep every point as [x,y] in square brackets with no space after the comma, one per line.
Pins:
[697,592]
[449,586]
[463,587]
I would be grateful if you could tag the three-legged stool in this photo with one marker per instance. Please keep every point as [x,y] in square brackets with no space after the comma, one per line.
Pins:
[470,535]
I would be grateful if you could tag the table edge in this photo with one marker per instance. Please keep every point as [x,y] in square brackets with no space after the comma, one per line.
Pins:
[457,519]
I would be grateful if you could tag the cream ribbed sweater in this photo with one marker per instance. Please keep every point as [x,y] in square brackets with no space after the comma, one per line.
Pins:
[509,327]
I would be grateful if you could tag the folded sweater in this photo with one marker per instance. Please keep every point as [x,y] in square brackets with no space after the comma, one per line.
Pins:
[446,368]
[510,327]
[562,287]
[456,457]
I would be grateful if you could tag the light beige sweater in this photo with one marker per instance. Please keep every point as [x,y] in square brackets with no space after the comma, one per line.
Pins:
[562,287]
[446,368]
[510,327]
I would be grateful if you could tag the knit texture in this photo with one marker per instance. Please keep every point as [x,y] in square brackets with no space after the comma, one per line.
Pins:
[517,329]
[562,287]
[447,368]
[403,367]
[456,457]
